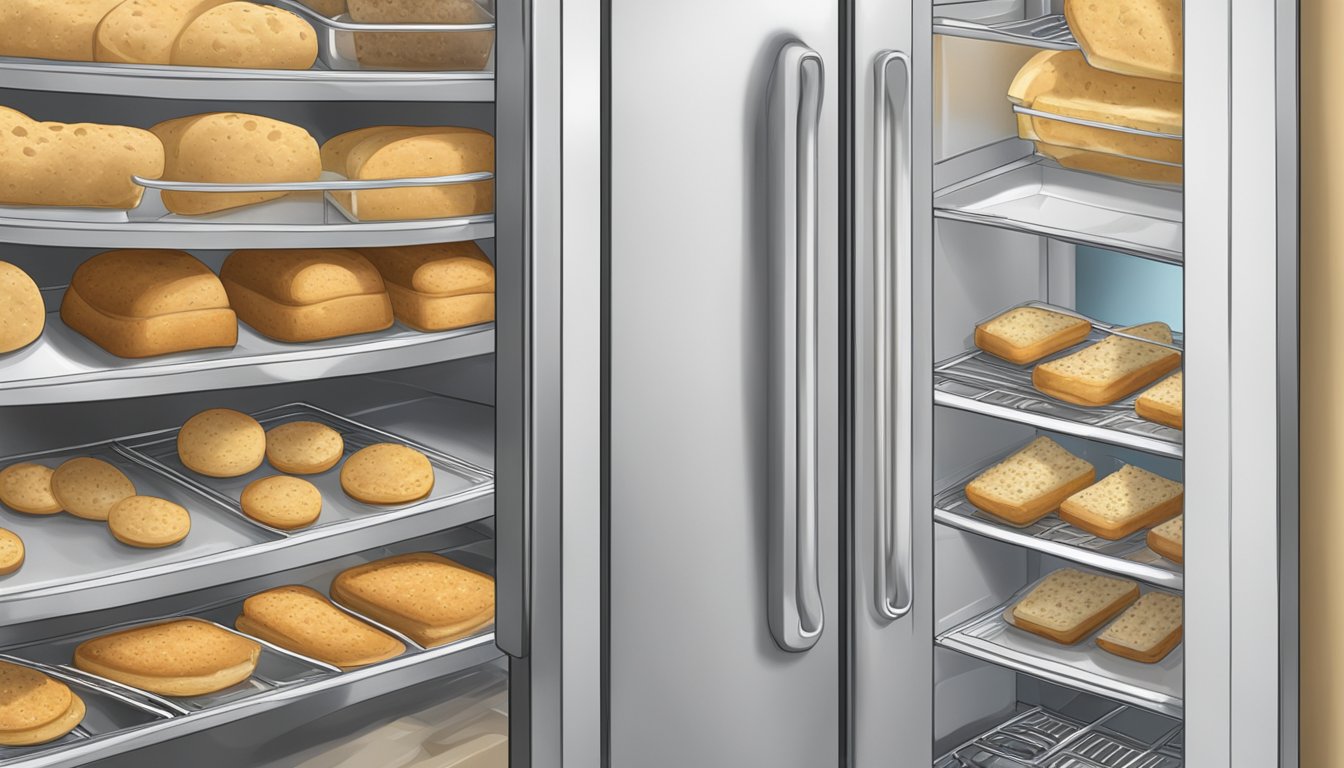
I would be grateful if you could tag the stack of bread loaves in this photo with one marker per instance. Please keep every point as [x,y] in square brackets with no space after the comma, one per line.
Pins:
[203,33]
[465,50]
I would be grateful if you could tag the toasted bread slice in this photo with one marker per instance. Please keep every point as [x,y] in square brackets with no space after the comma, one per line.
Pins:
[425,596]
[1069,604]
[1031,483]
[1148,631]
[1026,334]
[185,657]
[1123,502]
[1168,539]
[302,620]
[1164,402]
[1109,370]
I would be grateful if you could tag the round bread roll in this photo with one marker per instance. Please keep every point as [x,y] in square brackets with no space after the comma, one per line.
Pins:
[387,473]
[22,311]
[11,552]
[26,488]
[148,522]
[304,447]
[89,488]
[282,502]
[221,443]
[34,707]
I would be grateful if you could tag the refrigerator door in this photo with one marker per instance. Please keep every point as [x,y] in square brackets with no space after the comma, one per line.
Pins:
[725,627]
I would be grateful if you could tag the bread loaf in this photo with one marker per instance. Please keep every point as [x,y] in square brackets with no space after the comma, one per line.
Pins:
[1068,604]
[233,148]
[425,596]
[144,31]
[1112,165]
[1031,483]
[1123,502]
[240,34]
[331,8]
[142,303]
[306,294]
[75,164]
[1145,38]
[1148,631]
[23,311]
[437,287]
[394,152]
[51,29]
[1168,539]
[1164,402]
[34,707]
[469,50]
[1026,334]
[304,621]
[1109,370]
[184,657]
[1062,83]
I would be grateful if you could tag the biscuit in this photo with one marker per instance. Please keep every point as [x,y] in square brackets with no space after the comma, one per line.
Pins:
[148,522]
[304,447]
[11,552]
[184,657]
[282,502]
[221,443]
[22,311]
[387,473]
[34,707]
[425,596]
[26,488]
[303,620]
[89,488]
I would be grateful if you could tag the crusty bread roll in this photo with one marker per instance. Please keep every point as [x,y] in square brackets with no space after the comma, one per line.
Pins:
[144,31]
[437,287]
[303,620]
[393,152]
[51,29]
[241,34]
[422,50]
[233,147]
[425,596]
[141,303]
[35,708]
[184,657]
[75,164]
[306,294]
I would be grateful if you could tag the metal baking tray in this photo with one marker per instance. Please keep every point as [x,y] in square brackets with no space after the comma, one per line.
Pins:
[1037,196]
[1083,666]
[452,477]
[63,367]
[1039,737]
[1048,32]
[979,382]
[1129,557]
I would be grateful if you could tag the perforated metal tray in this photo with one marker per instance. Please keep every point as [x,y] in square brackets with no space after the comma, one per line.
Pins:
[1042,738]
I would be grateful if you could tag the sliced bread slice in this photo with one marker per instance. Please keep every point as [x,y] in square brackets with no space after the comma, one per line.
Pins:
[1123,502]
[1164,402]
[1148,631]
[1168,539]
[1109,370]
[1069,604]
[1031,483]
[1026,334]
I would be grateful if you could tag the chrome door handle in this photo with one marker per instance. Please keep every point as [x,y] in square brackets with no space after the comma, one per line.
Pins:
[794,119]
[893,255]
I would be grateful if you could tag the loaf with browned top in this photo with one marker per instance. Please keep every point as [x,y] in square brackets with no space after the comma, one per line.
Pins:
[395,152]
[306,294]
[437,287]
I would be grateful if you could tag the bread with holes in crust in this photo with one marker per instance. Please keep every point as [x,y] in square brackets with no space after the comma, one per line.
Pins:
[1026,334]
[1069,604]
[1125,501]
[1168,539]
[425,596]
[1164,402]
[1148,631]
[1109,370]
[1031,483]
[183,657]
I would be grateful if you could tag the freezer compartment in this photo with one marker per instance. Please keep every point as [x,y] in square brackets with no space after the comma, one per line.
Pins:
[76,565]
[1037,196]
[979,382]
[1084,666]
[1129,557]
[1074,736]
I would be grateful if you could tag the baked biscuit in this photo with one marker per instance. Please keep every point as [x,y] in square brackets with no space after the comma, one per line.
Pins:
[303,620]
[387,473]
[221,443]
[304,447]
[22,311]
[282,502]
[89,488]
[148,522]
[35,708]
[26,488]
[183,657]
[11,552]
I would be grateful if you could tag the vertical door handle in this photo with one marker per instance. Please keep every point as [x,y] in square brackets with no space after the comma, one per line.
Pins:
[893,255]
[794,120]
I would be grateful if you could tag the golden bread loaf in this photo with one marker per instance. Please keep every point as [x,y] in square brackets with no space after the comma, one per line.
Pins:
[1031,483]
[437,287]
[425,596]
[302,620]
[23,312]
[306,294]
[395,152]
[1144,38]
[183,657]
[51,29]
[241,34]
[144,31]
[468,50]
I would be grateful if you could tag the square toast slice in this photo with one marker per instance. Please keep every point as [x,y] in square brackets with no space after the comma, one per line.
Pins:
[1168,539]
[1026,334]
[1123,502]
[1069,604]
[1031,483]
[1164,402]
[1109,370]
[1148,631]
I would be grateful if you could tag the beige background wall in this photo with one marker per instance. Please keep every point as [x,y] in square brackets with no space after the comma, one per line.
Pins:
[1322,377]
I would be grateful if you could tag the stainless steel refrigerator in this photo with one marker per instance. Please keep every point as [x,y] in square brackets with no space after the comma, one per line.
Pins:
[811,206]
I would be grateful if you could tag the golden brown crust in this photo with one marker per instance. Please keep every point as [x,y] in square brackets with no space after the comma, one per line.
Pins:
[23,313]
[1037,508]
[387,473]
[430,314]
[437,269]
[141,337]
[185,657]
[1082,518]
[26,488]
[1156,654]
[89,488]
[304,447]
[34,707]
[51,29]
[425,596]
[245,34]
[345,316]
[391,152]
[1171,550]
[304,621]
[302,276]
[221,442]
[11,552]
[998,347]
[1083,629]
